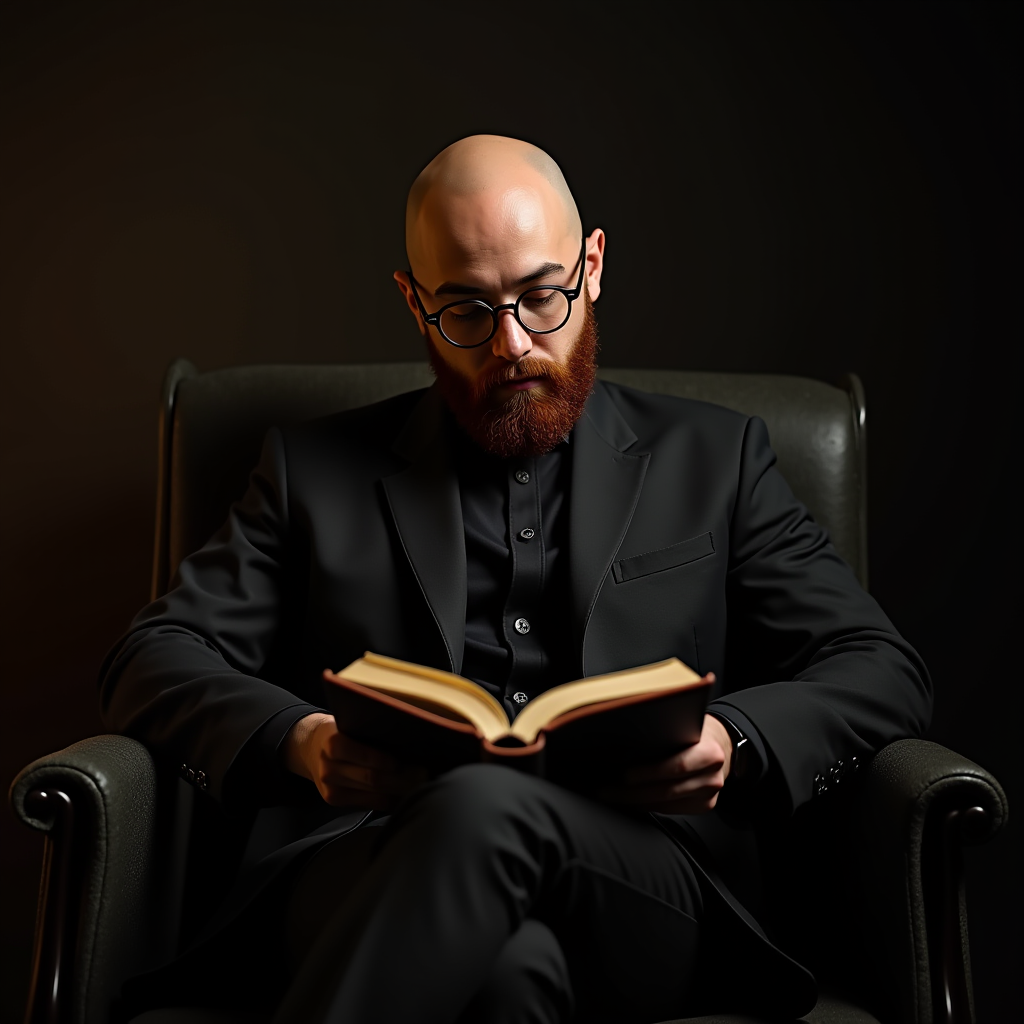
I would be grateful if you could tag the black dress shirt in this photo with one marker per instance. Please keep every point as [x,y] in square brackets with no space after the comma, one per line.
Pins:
[515,515]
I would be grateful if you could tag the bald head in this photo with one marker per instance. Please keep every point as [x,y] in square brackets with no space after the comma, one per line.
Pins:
[485,193]
[495,244]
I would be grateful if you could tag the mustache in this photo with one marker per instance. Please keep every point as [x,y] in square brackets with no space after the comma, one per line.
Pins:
[527,367]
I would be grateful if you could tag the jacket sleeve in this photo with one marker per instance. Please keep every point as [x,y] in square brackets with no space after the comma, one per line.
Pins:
[186,677]
[813,662]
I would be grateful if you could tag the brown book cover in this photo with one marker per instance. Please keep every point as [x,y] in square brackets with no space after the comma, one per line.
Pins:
[579,732]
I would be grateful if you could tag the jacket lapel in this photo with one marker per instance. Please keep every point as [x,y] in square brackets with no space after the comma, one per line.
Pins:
[425,503]
[606,484]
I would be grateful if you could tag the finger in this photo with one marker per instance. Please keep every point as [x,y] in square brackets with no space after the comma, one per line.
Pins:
[344,773]
[669,768]
[689,805]
[648,794]
[706,756]
[343,748]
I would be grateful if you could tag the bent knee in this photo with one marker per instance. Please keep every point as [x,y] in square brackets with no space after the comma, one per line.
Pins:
[481,794]
[491,785]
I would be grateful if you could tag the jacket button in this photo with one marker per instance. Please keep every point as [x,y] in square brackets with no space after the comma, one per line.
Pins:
[527,534]
[522,476]
[522,626]
[520,698]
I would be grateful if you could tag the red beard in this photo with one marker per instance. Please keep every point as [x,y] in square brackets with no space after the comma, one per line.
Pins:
[531,422]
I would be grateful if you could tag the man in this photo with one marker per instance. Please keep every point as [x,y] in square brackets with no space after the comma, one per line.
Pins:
[524,526]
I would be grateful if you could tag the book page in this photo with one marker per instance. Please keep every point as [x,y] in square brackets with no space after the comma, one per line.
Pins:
[662,675]
[432,690]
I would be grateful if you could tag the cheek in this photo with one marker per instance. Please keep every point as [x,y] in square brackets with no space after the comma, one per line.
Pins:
[558,346]
[465,363]
[561,343]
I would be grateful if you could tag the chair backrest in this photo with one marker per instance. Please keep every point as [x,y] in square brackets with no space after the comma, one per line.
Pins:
[212,426]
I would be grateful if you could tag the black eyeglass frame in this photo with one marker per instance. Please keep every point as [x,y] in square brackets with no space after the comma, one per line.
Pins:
[571,294]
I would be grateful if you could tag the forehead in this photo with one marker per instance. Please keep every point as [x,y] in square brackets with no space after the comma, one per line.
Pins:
[487,232]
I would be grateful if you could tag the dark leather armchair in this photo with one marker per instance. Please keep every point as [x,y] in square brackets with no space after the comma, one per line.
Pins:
[871,872]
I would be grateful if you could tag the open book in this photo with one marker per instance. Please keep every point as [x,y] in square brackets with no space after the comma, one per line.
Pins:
[589,729]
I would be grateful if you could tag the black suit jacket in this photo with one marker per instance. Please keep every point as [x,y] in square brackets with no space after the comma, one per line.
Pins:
[684,540]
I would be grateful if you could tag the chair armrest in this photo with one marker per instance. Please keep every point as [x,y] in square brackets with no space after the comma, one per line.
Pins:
[106,899]
[919,803]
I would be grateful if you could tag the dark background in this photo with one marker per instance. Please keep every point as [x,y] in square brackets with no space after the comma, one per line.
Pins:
[787,187]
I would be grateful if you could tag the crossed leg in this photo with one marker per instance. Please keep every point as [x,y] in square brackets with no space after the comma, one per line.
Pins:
[495,897]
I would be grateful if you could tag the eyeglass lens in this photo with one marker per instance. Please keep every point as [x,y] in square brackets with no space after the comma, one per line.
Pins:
[538,309]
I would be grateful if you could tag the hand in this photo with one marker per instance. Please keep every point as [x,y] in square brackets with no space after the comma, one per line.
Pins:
[685,783]
[347,773]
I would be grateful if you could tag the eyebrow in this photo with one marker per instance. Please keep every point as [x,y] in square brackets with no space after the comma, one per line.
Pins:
[456,288]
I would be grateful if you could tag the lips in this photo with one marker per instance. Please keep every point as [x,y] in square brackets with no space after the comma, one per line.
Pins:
[507,384]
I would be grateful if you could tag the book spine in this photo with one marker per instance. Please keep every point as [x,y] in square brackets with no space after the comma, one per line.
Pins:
[525,758]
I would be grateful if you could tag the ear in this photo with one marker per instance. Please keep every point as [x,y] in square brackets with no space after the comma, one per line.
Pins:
[595,263]
[405,287]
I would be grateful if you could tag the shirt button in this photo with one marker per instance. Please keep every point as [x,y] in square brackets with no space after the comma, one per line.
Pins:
[522,476]
[522,626]
[526,534]
[520,698]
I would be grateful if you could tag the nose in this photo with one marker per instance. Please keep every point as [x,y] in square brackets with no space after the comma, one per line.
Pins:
[510,341]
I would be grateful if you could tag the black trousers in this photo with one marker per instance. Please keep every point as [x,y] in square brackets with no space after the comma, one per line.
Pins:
[489,897]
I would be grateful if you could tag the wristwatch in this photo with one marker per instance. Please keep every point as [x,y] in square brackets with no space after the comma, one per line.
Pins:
[742,749]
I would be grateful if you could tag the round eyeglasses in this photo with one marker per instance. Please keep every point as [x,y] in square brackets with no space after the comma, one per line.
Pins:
[470,323]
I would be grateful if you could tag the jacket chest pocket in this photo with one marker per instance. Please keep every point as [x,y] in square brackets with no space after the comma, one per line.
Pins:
[672,557]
